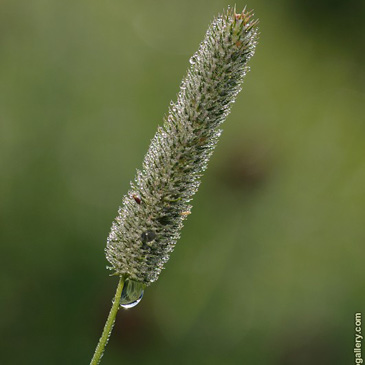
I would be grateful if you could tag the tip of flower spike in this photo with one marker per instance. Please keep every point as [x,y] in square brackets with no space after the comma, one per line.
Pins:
[245,16]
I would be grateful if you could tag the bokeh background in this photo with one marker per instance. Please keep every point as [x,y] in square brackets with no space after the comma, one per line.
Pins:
[270,266]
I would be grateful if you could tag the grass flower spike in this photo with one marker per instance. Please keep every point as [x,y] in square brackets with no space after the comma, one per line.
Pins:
[149,222]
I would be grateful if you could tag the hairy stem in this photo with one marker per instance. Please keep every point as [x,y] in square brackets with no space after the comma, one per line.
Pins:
[109,324]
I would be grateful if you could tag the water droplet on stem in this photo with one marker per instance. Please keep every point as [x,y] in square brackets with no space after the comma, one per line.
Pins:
[132,294]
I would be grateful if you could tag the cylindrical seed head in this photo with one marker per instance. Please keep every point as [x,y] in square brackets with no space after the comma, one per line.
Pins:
[150,220]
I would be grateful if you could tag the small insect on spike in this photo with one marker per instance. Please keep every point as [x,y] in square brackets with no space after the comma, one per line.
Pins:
[137,199]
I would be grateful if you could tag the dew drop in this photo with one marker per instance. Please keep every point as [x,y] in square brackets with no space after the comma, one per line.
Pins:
[194,59]
[148,236]
[132,294]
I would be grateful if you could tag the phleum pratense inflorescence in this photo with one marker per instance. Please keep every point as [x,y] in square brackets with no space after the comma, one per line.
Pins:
[150,220]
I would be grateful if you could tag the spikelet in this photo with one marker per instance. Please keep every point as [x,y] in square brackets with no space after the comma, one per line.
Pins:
[150,220]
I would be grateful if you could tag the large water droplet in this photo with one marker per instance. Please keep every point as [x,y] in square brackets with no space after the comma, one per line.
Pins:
[148,236]
[132,294]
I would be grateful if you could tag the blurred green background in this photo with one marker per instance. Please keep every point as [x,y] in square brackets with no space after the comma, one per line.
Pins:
[270,266]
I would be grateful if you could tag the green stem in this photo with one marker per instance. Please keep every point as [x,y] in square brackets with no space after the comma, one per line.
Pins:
[108,325]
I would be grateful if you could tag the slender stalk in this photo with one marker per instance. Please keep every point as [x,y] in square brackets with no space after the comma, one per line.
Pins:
[109,324]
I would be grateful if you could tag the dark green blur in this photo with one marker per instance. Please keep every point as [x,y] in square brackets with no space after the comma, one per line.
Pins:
[270,266]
